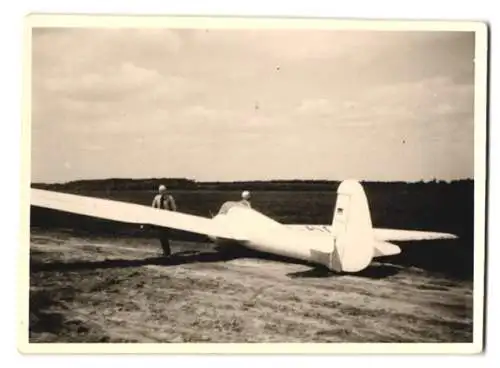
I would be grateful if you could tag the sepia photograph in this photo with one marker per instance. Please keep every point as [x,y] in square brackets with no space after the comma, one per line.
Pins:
[239,184]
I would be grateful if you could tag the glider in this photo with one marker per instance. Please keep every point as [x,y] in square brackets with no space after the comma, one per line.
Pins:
[347,245]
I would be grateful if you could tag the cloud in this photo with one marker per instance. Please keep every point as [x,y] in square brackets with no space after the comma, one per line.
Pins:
[93,147]
[432,98]
[121,80]
[427,101]
[284,98]
[319,106]
[64,51]
[196,113]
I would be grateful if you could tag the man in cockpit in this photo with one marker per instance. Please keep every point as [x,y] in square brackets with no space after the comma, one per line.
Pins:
[245,198]
[244,202]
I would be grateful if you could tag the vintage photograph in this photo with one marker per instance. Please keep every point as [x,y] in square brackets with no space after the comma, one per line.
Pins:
[244,181]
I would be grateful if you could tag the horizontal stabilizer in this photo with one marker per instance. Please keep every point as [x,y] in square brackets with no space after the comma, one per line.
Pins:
[384,234]
[386,249]
[128,213]
[408,235]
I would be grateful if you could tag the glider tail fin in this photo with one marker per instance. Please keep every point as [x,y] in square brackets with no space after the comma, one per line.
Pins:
[352,229]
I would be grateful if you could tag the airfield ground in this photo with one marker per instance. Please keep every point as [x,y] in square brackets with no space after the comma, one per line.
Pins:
[109,286]
[118,290]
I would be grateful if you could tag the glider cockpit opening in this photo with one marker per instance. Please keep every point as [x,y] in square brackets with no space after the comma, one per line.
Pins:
[226,206]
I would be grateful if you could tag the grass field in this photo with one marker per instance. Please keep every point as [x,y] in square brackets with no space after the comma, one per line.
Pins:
[95,281]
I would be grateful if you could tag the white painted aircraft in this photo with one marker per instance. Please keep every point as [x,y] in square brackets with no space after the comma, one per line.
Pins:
[348,244]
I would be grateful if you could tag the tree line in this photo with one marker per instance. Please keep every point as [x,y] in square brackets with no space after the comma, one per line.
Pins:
[117,184]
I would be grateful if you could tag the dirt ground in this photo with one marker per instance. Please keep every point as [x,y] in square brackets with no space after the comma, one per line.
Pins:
[122,290]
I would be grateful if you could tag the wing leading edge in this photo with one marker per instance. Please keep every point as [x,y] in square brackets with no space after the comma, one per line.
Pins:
[129,213]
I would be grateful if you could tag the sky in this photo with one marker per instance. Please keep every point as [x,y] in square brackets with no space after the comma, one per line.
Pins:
[224,105]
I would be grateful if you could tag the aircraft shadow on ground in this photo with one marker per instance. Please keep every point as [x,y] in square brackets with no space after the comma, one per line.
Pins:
[174,260]
[220,254]
[371,272]
[374,271]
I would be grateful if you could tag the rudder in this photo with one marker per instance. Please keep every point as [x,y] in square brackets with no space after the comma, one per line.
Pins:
[352,229]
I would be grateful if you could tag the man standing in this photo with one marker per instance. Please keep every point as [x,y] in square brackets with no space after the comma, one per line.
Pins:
[164,201]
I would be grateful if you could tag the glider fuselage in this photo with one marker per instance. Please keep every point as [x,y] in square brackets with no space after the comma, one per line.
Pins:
[264,234]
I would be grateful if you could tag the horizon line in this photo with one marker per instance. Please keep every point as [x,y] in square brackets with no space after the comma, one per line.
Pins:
[253,180]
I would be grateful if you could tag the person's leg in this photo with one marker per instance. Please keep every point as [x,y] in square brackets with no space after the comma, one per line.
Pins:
[165,243]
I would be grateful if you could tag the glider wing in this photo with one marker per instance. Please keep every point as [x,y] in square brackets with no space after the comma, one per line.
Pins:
[130,213]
